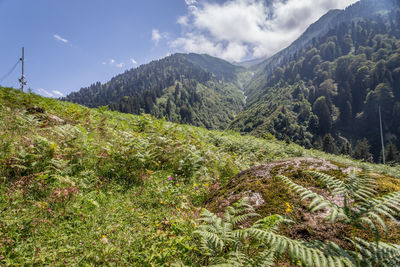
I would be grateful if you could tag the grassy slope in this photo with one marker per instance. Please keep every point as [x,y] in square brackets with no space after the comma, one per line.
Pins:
[94,189]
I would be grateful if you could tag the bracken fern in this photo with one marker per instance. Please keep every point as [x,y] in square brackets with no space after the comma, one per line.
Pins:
[227,242]
[361,208]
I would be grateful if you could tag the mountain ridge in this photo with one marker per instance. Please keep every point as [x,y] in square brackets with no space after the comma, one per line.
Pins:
[188,88]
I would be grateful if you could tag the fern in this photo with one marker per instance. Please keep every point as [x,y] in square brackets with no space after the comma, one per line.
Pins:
[361,208]
[383,255]
[310,254]
[229,244]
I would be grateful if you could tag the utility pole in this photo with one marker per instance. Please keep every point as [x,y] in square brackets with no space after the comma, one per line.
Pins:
[383,147]
[22,79]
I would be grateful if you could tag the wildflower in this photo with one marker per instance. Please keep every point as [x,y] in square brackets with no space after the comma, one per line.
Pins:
[288,207]
[104,239]
[170,178]
[161,202]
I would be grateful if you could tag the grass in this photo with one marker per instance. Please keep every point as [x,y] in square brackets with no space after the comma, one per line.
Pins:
[86,187]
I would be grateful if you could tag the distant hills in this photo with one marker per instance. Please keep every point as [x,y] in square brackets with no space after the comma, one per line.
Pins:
[322,91]
[185,88]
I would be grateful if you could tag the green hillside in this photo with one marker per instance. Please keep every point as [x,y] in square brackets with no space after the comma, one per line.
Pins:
[327,95]
[89,187]
[185,88]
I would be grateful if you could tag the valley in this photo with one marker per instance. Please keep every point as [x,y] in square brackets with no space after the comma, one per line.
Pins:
[323,91]
[192,160]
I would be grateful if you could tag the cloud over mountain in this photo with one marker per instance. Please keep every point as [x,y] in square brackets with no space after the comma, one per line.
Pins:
[239,29]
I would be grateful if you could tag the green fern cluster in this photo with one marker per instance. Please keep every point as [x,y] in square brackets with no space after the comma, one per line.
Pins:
[227,242]
[361,207]
[371,254]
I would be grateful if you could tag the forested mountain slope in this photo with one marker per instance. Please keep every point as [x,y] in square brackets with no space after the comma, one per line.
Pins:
[358,11]
[334,88]
[186,88]
[323,91]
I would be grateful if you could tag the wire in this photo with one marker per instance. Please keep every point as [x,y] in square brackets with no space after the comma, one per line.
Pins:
[9,72]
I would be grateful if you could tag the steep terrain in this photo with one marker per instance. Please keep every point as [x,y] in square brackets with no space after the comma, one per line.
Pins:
[327,95]
[187,88]
[81,186]
[356,12]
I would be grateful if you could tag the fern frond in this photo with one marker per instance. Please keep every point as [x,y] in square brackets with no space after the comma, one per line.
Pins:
[383,254]
[317,254]
[271,223]
[318,202]
[372,210]
[266,258]
[336,186]
[240,219]
[361,186]
[243,205]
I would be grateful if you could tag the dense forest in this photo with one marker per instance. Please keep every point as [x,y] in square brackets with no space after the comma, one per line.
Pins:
[327,95]
[324,91]
[185,88]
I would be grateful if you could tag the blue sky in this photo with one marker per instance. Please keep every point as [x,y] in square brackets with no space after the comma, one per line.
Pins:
[71,44]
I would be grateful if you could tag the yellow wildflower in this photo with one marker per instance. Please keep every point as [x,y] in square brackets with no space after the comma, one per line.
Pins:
[288,207]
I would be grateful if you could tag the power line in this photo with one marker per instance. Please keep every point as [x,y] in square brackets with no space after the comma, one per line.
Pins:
[9,72]
[22,80]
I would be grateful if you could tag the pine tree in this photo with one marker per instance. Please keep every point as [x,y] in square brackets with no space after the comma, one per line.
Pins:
[391,153]
[321,108]
[328,144]
[362,150]
[346,149]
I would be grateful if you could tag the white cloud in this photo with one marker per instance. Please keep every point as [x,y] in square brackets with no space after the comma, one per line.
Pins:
[133,61]
[190,2]
[200,44]
[113,62]
[58,93]
[59,38]
[44,92]
[183,20]
[236,29]
[155,36]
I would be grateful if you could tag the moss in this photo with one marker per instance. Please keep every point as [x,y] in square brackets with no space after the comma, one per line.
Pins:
[307,226]
[340,165]
[336,173]
[386,184]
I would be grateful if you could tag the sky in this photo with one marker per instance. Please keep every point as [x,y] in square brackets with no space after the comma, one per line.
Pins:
[70,44]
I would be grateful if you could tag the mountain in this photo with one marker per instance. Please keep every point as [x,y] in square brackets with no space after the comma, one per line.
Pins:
[327,94]
[186,88]
[355,12]
[323,91]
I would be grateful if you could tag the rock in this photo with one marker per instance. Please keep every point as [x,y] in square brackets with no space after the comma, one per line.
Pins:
[55,119]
